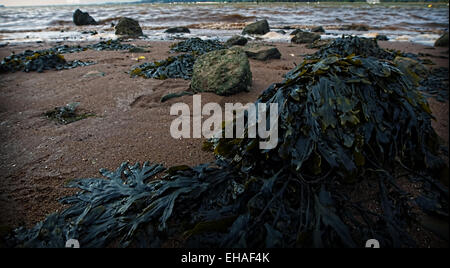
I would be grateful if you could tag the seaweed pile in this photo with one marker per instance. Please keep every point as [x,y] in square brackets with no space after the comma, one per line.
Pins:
[197,46]
[350,128]
[52,58]
[66,114]
[180,66]
[38,61]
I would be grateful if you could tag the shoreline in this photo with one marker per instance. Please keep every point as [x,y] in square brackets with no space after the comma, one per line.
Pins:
[39,157]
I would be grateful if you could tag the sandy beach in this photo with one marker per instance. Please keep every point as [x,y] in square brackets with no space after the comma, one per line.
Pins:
[38,157]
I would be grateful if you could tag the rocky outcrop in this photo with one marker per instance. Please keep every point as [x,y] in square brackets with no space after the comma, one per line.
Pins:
[236,40]
[83,18]
[128,27]
[259,27]
[224,72]
[305,38]
[262,52]
[177,30]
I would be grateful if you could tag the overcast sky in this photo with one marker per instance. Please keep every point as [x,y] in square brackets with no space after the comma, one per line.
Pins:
[55,2]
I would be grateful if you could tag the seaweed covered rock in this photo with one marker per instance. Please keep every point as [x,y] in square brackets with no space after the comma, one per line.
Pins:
[261,52]
[66,114]
[260,27]
[197,46]
[128,27]
[83,18]
[442,41]
[177,30]
[38,61]
[224,72]
[412,68]
[180,66]
[236,40]
[348,45]
[305,38]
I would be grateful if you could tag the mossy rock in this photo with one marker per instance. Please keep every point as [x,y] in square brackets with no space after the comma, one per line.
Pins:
[128,27]
[259,27]
[224,72]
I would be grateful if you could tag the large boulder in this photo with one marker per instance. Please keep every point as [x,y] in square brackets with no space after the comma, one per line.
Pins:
[224,72]
[128,27]
[83,18]
[261,52]
[305,38]
[442,41]
[236,40]
[259,27]
[177,30]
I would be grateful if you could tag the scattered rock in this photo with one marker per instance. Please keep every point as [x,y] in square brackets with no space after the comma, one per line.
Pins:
[355,27]
[296,31]
[305,38]
[128,27]
[83,18]
[261,52]
[224,72]
[381,37]
[177,30]
[236,40]
[442,41]
[318,29]
[94,74]
[259,27]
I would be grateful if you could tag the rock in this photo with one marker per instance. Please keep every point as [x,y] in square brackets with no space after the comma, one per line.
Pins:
[177,30]
[412,68]
[280,31]
[261,52]
[442,41]
[236,40]
[305,38]
[381,37]
[224,72]
[83,18]
[296,31]
[128,27]
[318,29]
[259,27]
[355,27]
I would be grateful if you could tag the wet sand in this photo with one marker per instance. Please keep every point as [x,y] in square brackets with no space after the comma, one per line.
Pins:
[37,156]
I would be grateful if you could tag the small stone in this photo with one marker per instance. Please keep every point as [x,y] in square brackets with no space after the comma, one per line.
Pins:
[259,27]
